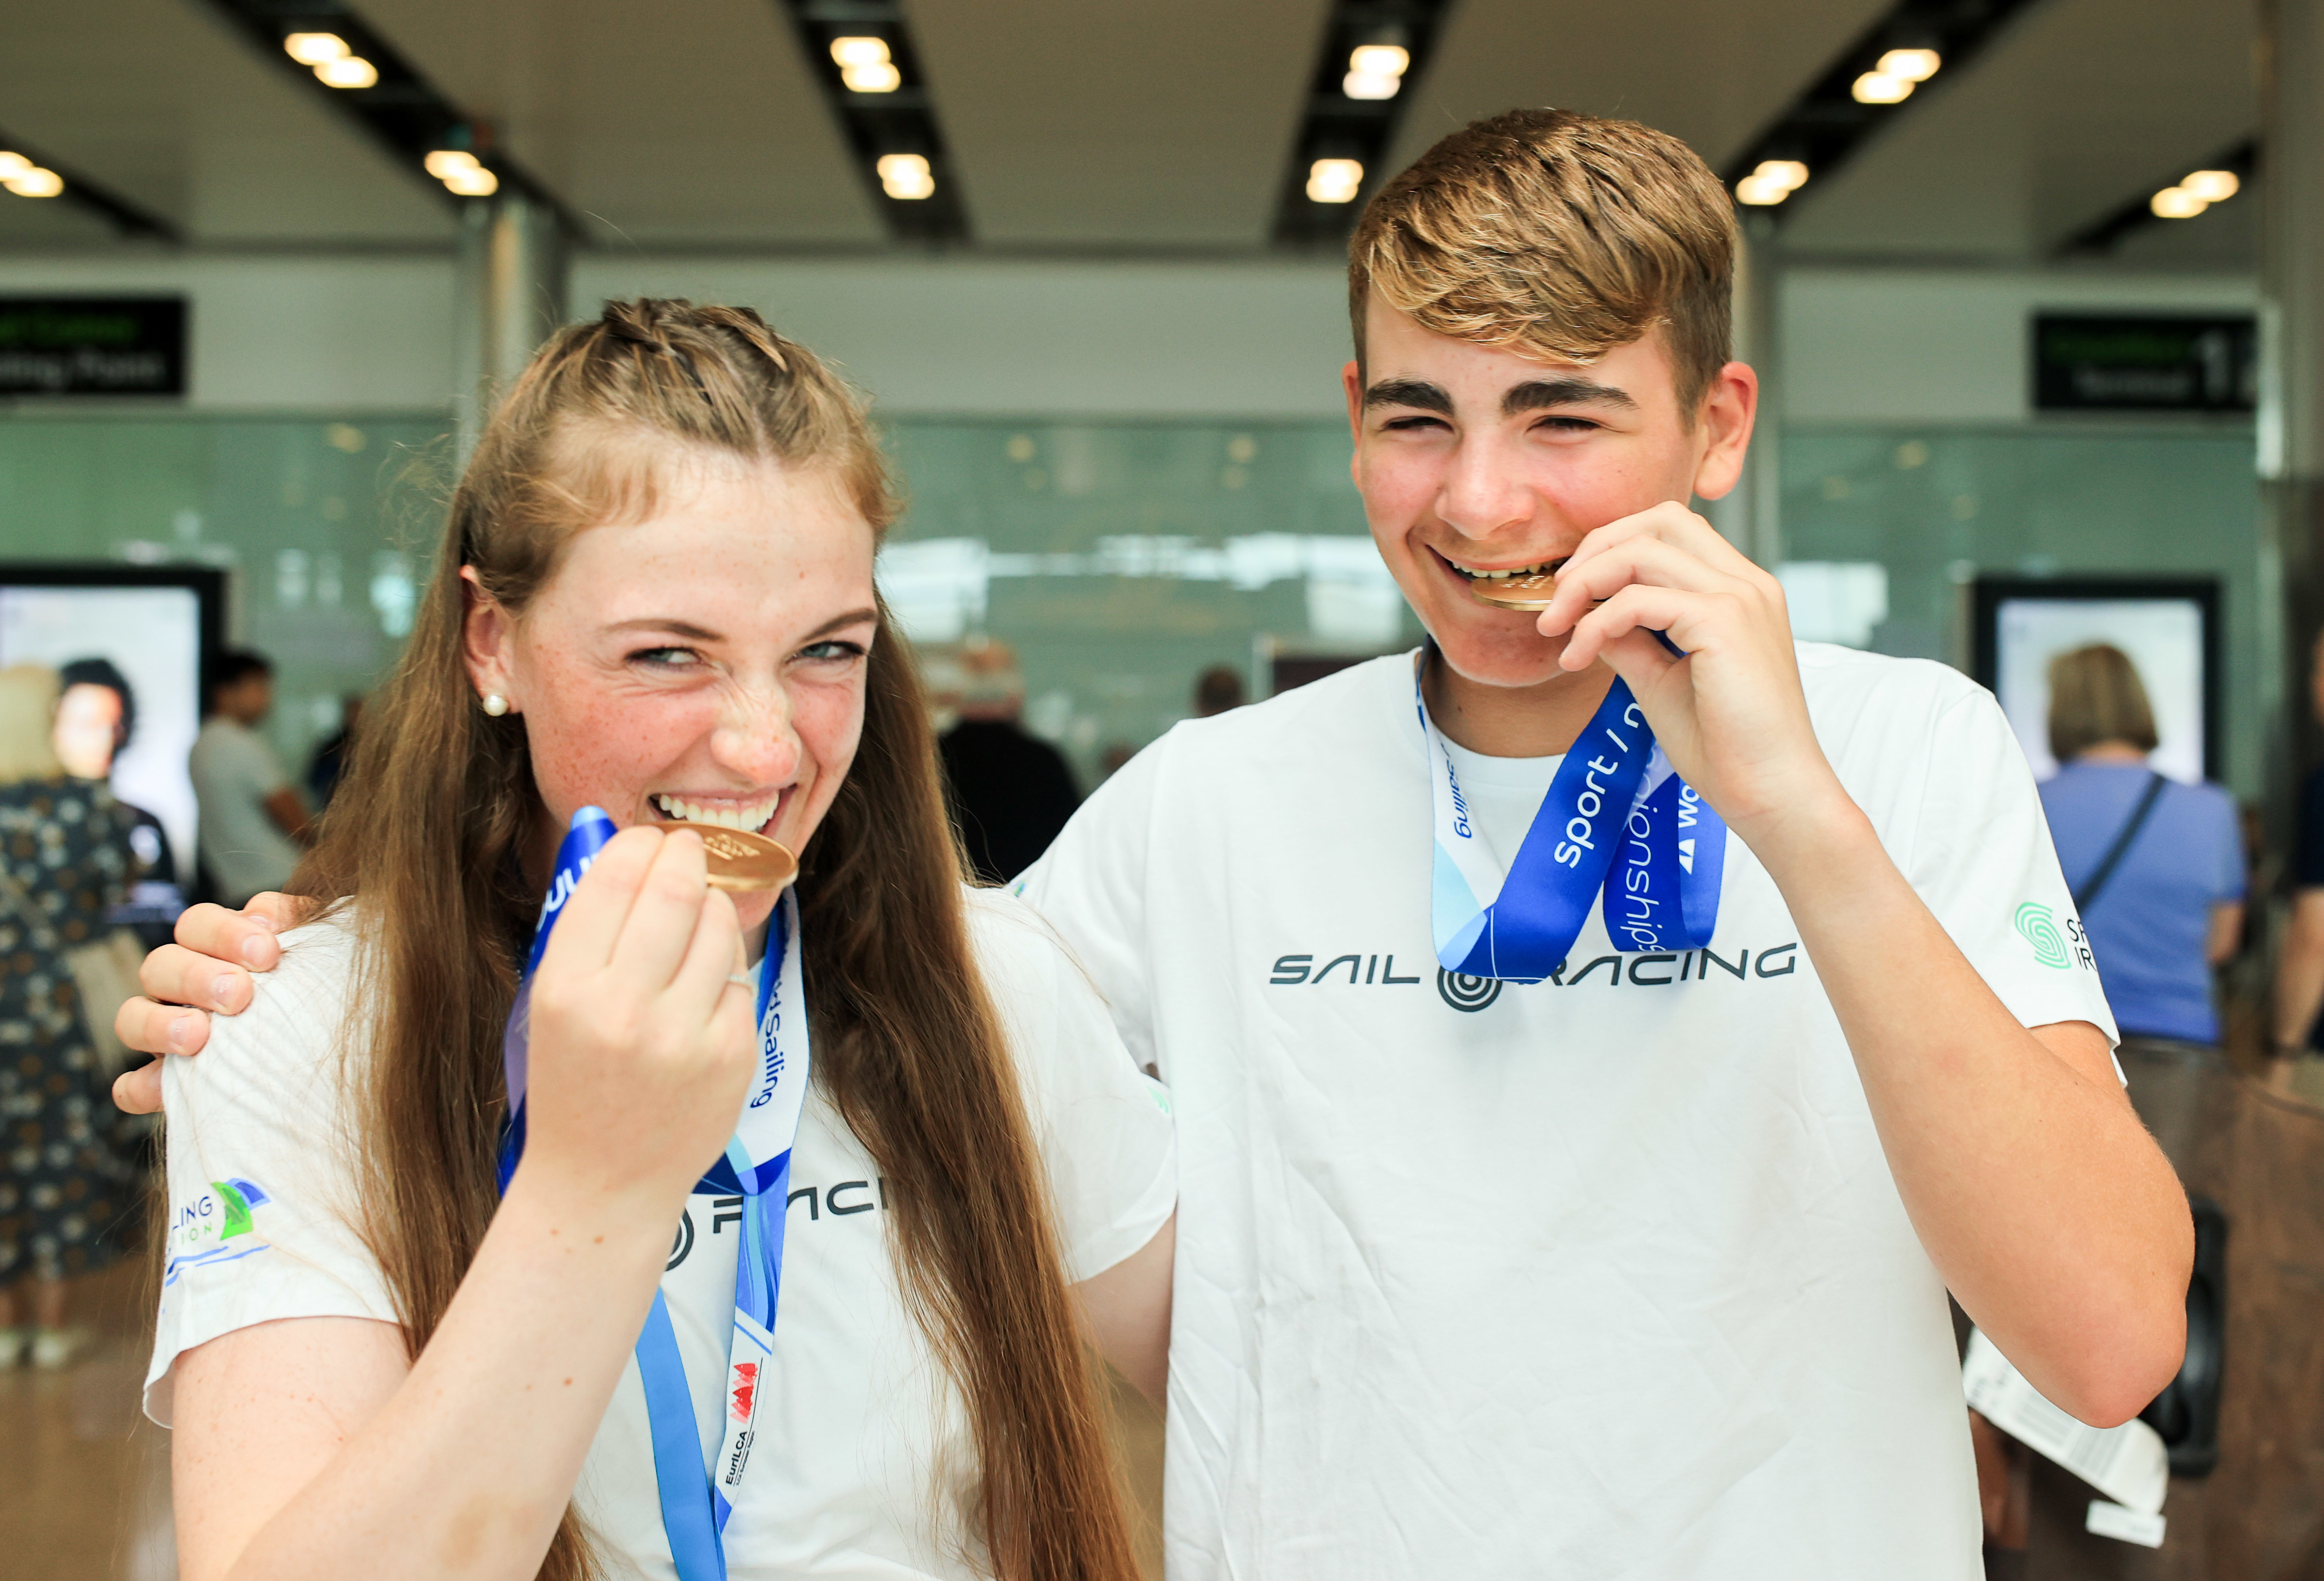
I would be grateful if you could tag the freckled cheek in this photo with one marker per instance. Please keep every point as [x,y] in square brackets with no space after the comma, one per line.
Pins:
[829,722]
[591,749]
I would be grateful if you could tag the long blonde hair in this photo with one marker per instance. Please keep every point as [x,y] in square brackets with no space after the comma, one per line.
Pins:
[439,803]
[27,724]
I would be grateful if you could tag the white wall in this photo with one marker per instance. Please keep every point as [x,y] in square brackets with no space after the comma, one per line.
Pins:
[1062,338]
[1876,346]
[289,333]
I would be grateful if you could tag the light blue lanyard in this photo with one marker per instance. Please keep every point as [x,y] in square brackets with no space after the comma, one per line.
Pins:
[699,1501]
[1618,826]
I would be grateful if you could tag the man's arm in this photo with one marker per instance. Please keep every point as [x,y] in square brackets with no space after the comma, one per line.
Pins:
[287,810]
[2047,1208]
[2300,974]
[2225,934]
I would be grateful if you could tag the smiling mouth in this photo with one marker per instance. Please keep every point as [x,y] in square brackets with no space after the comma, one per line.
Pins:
[1486,577]
[750,816]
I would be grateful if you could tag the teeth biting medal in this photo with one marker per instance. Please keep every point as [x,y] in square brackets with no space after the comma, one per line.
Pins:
[1530,591]
[743,861]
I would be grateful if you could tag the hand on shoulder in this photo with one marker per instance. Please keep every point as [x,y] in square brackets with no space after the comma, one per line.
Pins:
[206,972]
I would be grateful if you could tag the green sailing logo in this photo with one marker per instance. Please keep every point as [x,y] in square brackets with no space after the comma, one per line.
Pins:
[237,1197]
[2038,928]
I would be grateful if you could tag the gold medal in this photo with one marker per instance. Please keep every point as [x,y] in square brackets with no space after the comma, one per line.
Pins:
[1527,592]
[741,862]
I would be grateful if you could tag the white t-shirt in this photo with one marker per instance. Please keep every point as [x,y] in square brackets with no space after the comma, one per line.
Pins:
[233,773]
[1604,1276]
[858,1425]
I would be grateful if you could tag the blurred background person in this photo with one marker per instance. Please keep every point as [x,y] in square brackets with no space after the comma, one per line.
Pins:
[330,759]
[252,817]
[1010,791]
[1218,689]
[65,1192]
[2299,968]
[2156,866]
[97,719]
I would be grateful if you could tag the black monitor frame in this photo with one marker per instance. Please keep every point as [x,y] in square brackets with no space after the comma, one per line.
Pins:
[1987,594]
[207,583]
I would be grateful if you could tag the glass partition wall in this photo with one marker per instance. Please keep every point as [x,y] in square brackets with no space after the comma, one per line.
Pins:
[1121,559]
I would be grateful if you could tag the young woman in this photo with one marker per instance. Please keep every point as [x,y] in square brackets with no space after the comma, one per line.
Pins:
[655,597]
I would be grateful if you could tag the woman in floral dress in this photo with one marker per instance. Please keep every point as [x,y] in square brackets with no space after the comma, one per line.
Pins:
[65,858]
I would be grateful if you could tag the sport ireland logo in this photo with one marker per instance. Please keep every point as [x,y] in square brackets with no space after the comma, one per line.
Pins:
[2038,928]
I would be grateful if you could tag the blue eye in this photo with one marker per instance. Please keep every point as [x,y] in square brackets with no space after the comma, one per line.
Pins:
[833,650]
[665,658]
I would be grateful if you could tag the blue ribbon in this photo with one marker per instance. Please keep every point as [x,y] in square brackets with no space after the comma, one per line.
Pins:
[696,1499]
[1616,828]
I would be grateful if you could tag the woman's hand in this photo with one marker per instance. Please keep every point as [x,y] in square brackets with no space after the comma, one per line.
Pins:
[207,970]
[1728,708]
[641,1039]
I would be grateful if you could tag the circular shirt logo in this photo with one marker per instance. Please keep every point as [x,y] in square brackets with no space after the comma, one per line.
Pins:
[1465,992]
[683,1243]
[2035,923]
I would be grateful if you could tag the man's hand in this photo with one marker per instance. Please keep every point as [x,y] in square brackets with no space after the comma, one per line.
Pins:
[1728,707]
[207,970]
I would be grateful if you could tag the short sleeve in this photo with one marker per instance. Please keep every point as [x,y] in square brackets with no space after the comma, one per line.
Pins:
[1103,1127]
[1090,887]
[2230,880]
[2309,864]
[262,1192]
[1978,854]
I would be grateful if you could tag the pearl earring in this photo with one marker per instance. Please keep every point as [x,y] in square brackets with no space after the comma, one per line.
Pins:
[495,704]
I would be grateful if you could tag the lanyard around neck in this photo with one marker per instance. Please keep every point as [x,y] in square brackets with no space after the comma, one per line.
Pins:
[1617,826]
[697,1501]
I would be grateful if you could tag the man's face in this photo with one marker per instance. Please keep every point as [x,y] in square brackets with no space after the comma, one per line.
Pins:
[249,700]
[1472,459]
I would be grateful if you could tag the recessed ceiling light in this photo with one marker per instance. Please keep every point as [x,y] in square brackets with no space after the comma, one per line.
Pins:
[1334,180]
[1760,191]
[2212,186]
[475,183]
[13,165]
[34,182]
[1380,60]
[1368,84]
[444,163]
[906,176]
[874,77]
[348,71]
[2176,203]
[1880,87]
[859,51]
[1790,174]
[1912,65]
[316,49]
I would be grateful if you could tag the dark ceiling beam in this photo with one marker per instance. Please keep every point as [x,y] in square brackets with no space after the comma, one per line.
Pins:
[128,219]
[900,120]
[1826,126]
[1335,127]
[403,113]
[2104,234]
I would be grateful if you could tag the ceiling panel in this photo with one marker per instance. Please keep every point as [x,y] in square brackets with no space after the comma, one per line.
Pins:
[694,122]
[1710,71]
[1157,123]
[156,100]
[2081,106]
[50,222]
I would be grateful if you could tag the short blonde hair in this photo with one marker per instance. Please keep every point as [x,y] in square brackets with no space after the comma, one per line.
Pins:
[1558,235]
[28,722]
[2096,695]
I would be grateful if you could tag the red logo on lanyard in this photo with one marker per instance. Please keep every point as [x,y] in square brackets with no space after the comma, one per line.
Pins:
[745,1390]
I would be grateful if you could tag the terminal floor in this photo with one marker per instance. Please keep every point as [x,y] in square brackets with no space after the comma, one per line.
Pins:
[85,1478]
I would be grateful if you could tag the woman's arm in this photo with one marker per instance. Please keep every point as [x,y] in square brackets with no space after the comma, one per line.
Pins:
[1128,1307]
[307,1450]
[2226,932]
[311,1447]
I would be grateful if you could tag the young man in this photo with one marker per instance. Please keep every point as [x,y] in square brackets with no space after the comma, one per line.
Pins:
[252,816]
[1640,1268]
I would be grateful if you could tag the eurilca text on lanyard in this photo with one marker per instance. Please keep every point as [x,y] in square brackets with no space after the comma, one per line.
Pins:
[1618,827]
[697,1501]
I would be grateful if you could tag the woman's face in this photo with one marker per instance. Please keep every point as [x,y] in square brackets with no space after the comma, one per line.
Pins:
[88,726]
[706,664]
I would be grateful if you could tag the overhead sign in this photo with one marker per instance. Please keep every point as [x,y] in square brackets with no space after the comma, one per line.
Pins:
[2085,362]
[92,346]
